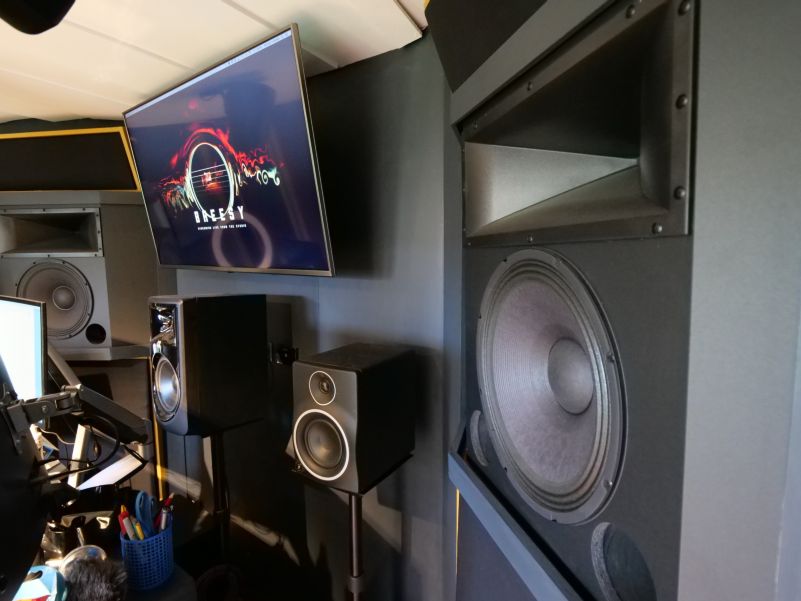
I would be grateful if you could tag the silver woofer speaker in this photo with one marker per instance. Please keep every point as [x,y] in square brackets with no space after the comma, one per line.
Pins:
[166,389]
[549,386]
[65,290]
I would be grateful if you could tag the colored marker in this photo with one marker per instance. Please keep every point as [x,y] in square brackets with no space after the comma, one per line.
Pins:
[122,524]
[127,523]
[138,527]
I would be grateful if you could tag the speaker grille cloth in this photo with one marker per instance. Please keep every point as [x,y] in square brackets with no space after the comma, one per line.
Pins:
[549,385]
[65,291]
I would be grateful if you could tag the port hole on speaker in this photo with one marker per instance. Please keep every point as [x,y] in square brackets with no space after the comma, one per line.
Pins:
[593,141]
[620,567]
[95,333]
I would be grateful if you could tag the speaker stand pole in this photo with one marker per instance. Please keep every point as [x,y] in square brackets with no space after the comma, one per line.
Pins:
[355,580]
[222,511]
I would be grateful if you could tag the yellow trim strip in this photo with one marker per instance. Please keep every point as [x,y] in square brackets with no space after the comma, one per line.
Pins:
[62,132]
[118,129]
[162,485]
[458,507]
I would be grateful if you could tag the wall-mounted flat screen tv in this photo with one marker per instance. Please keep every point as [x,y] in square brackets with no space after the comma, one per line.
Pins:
[228,166]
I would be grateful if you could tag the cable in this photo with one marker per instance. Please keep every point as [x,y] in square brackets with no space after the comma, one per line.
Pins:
[96,464]
[61,440]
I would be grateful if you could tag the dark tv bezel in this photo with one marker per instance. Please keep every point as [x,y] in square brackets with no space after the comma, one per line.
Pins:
[43,307]
[293,29]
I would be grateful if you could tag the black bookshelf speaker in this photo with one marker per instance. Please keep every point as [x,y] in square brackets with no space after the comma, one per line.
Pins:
[211,365]
[354,420]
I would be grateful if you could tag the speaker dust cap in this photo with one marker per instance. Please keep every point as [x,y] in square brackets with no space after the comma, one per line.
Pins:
[549,386]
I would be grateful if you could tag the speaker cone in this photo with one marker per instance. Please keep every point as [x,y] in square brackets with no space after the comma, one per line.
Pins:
[321,445]
[549,386]
[65,291]
[166,389]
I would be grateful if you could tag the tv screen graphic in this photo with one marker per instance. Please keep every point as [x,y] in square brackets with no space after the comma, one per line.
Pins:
[228,168]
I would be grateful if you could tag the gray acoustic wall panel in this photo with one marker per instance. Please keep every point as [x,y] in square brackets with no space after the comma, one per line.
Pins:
[381,127]
[746,291]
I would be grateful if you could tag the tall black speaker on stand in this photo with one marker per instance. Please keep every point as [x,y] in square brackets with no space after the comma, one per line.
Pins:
[217,363]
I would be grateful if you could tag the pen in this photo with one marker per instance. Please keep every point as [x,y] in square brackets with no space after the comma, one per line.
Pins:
[164,519]
[168,506]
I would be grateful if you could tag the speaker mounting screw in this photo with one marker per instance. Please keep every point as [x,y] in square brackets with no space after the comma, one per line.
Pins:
[656,228]
[475,124]
[530,239]
[630,11]
[679,193]
[529,86]
[682,101]
[608,484]
[684,7]
[610,357]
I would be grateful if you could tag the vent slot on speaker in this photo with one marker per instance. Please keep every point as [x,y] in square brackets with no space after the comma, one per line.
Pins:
[593,143]
[46,232]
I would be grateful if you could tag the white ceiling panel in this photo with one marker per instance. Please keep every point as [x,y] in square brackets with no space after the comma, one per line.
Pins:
[107,56]
[342,31]
[31,98]
[416,10]
[193,41]
[81,59]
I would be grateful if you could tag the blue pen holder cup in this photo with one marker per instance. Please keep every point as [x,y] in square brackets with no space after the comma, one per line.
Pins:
[149,562]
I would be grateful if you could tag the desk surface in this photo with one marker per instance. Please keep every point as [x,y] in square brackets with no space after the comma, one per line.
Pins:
[180,587]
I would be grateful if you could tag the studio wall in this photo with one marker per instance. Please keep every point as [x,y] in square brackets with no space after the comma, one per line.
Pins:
[381,130]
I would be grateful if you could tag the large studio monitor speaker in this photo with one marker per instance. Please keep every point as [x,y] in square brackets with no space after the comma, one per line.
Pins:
[577,270]
[354,417]
[89,256]
[214,360]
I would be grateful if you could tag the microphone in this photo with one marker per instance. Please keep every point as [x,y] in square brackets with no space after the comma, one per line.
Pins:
[96,580]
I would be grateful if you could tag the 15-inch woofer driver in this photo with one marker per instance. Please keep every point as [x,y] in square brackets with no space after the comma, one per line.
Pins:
[549,385]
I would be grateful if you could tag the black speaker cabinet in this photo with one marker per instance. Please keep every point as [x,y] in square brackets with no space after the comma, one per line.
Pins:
[213,360]
[354,418]
[89,256]
[454,22]
[81,157]
[577,273]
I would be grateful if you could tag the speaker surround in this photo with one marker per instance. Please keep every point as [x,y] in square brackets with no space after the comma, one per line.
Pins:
[353,418]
